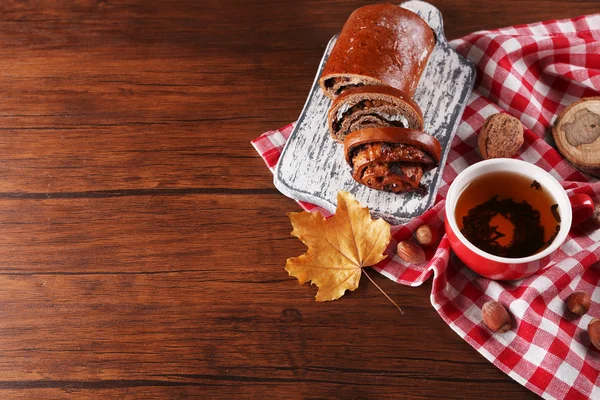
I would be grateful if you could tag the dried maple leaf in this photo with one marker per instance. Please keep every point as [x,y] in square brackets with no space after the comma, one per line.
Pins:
[338,247]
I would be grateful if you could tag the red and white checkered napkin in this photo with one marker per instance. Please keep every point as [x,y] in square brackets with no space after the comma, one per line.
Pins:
[532,72]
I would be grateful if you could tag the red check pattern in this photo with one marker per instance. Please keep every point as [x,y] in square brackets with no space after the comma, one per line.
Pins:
[532,72]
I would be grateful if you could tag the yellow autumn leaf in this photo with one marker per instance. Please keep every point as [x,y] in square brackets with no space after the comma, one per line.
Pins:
[338,247]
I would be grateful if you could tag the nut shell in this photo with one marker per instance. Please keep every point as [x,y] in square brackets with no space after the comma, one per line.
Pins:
[411,252]
[595,218]
[578,302]
[495,317]
[594,332]
[426,236]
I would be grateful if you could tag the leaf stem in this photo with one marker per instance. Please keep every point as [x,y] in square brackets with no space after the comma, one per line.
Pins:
[384,293]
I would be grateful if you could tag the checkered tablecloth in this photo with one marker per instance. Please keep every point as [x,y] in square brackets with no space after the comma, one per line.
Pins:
[532,72]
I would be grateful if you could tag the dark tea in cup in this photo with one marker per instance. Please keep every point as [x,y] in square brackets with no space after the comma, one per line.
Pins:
[506,183]
[507,214]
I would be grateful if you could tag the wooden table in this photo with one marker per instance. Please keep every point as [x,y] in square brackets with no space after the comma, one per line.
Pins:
[142,243]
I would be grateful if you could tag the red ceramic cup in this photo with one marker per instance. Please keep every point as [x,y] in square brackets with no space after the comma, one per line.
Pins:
[572,211]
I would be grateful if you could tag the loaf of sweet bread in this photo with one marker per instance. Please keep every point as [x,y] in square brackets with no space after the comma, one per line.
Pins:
[379,45]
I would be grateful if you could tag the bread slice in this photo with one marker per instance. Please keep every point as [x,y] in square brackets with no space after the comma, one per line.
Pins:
[382,45]
[500,137]
[391,159]
[372,107]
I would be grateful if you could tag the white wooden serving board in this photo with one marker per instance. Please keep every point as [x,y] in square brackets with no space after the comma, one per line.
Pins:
[312,167]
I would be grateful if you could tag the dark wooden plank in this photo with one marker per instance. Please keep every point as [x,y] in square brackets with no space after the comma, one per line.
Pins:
[104,158]
[215,234]
[179,329]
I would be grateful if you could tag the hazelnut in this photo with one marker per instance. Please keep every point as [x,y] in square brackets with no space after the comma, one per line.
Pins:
[594,332]
[427,236]
[578,302]
[495,317]
[596,215]
[411,252]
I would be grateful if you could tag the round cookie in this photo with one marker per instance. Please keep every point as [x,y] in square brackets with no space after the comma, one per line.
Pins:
[500,137]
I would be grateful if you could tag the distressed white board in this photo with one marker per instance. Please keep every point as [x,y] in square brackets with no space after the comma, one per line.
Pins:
[312,166]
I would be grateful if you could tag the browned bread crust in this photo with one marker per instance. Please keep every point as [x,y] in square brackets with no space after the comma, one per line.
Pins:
[381,45]
[372,107]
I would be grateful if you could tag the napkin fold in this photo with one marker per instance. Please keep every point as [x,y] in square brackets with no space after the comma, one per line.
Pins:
[532,72]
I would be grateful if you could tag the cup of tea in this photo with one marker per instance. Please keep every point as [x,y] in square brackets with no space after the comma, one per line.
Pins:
[505,218]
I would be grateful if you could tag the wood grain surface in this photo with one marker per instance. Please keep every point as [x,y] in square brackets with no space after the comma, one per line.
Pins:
[142,243]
